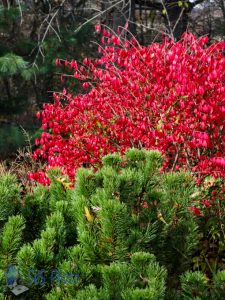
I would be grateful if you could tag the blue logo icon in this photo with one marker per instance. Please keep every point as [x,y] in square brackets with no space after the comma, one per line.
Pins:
[11,275]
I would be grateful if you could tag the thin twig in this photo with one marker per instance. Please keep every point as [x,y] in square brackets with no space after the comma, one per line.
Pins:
[46,31]
[96,16]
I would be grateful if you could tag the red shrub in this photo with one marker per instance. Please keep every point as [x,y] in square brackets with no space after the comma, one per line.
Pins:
[167,96]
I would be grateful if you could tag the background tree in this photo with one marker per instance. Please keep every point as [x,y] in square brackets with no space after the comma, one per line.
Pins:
[33,34]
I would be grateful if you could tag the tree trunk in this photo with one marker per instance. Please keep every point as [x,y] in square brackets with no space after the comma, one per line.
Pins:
[7,88]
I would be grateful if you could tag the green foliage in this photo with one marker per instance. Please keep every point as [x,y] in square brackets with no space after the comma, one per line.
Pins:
[11,138]
[11,64]
[123,232]
[209,256]
[219,283]
[26,262]
[35,211]
[9,196]
[7,15]
[11,238]
[194,285]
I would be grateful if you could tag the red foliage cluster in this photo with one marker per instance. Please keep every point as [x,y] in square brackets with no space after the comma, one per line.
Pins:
[168,96]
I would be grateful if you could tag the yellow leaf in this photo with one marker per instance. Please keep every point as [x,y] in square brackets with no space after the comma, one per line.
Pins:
[196,194]
[159,125]
[177,205]
[160,217]
[88,215]
[209,182]
[66,185]
[164,12]
[179,3]
[98,124]
[177,119]
[61,180]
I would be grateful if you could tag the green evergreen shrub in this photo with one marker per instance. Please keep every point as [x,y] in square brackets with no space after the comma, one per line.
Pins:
[123,232]
[9,196]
